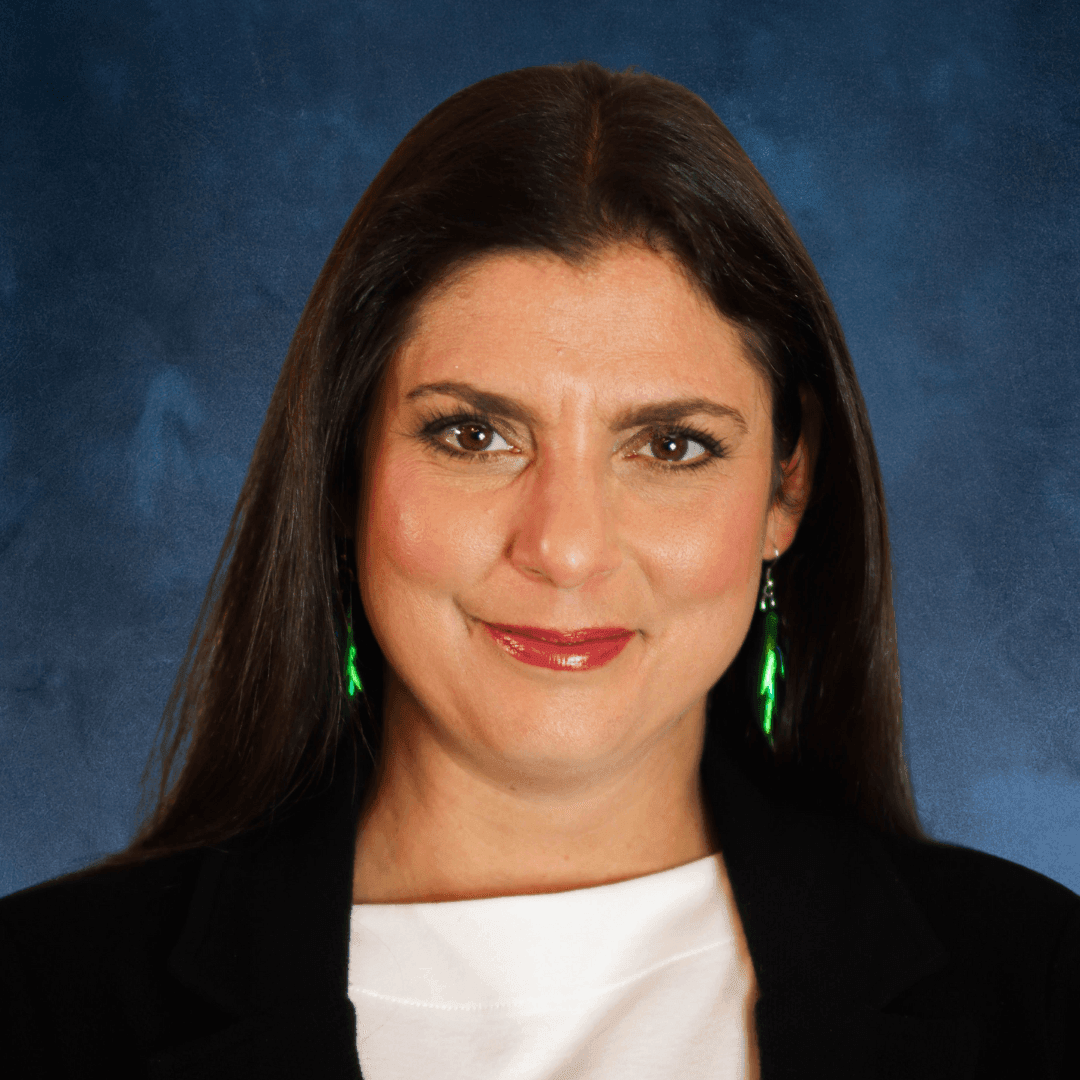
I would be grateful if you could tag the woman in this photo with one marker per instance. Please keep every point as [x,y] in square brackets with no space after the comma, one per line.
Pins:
[543,718]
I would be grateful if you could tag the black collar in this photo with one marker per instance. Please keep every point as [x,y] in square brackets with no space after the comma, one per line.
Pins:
[267,940]
[835,938]
[833,933]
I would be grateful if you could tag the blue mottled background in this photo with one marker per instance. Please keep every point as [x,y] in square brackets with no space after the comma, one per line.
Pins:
[172,176]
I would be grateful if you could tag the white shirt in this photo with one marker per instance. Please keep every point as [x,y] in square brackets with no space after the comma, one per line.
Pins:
[644,978]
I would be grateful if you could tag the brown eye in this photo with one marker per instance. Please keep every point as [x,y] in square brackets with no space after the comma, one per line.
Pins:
[672,447]
[669,447]
[475,438]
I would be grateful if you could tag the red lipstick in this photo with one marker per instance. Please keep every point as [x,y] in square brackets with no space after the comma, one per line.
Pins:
[578,650]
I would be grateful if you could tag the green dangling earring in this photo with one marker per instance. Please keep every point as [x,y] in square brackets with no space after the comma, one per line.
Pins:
[771,668]
[352,676]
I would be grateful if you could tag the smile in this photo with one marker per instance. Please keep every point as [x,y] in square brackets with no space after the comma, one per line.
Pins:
[578,650]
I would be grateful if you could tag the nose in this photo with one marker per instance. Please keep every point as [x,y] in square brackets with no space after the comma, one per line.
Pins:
[565,529]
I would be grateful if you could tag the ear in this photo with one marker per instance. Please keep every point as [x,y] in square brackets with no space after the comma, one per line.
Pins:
[796,480]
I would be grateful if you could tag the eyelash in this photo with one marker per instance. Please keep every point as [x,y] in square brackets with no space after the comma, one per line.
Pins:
[714,448]
[436,423]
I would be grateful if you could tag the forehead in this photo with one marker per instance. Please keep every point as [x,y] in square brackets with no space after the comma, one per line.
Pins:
[625,324]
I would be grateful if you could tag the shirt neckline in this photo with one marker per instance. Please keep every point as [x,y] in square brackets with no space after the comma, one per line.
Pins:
[527,949]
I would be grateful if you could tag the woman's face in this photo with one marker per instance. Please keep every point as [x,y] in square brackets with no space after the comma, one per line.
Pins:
[559,451]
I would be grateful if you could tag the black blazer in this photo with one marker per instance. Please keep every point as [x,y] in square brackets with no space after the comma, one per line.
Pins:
[875,957]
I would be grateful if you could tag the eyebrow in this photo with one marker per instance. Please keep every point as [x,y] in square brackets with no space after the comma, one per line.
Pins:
[660,412]
[481,400]
[671,412]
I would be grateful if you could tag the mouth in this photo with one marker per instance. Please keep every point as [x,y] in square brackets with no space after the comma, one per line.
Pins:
[573,650]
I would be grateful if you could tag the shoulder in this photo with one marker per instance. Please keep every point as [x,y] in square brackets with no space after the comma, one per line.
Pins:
[100,909]
[1013,940]
[972,896]
[84,962]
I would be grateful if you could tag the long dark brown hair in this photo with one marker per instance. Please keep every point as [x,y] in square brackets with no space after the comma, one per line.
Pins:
[568,160]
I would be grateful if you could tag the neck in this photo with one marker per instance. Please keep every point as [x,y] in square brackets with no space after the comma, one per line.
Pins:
[441,826]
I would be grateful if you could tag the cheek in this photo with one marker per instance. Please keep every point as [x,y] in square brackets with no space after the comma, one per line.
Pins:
[420,534]
[708,555]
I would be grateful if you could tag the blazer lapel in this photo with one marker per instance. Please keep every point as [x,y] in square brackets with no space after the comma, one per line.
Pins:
[834,937]
[267,940]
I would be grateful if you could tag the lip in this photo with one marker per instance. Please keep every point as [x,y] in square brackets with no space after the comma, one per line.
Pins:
[558,650]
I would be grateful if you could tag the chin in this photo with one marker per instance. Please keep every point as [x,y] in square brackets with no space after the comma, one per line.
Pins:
[551,737]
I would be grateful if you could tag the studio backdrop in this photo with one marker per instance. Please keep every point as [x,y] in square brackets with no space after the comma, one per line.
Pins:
[172,176]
